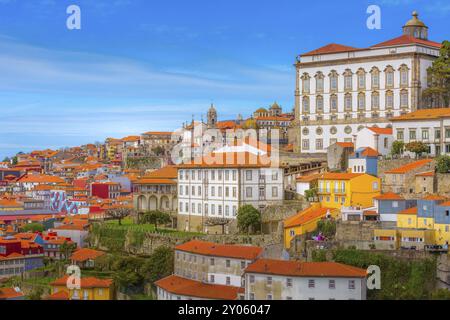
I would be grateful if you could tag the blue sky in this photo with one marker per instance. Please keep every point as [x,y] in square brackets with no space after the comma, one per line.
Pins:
[141,65]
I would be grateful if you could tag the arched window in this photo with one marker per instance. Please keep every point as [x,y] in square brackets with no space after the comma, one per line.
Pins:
[361,79]
[333,103]
[389,71]
[375,77]
[306,83]
[348,103]
[319,104]
[305,104]
[404,75]
[333,81]
[361,101]
[348,80]
[319,82]
[404,99]
[375,100]
[389,100]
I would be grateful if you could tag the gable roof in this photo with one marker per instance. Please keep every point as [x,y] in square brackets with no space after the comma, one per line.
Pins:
[305,269]
[330,48]
[309,178]
[220,250]
[85,254]
[407,40]
[424,114]
[88,282]
[9,293]
[410,211]
[59,295]
[186,287]
[367,152]
[306,216]
[386,131]
[409,167]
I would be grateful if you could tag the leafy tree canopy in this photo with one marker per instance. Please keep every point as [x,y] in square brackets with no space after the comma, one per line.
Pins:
[248,217]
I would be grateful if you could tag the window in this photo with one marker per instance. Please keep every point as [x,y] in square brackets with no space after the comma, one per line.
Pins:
[269,281]
[375,100]
[375,78]
[348,102]
[319,82]
[248,192]
[361,101]
[269,296]
[242,264]
[306,83]
[404,76]
[425,134]
[212,278]
[374,185]
[249,175]
[332,284]
[404,99]
[333,103]
[211,261]
[389,76]
[400,135]
[252,279]
[361,79]
[289,282]
[437,133]
[274,192]
[305,144]
[274,175]
[311,283]
[348,80]
[252,296]
[412,134]
[319,104]
[351,284]
[228,281]
[333,81]
[319,144]
[305,104]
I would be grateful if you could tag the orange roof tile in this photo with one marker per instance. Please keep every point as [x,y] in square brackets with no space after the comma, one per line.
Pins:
[167,172]
[410,211]
[405,40]
[306,216]
[445,204]
[9,293]
[305,269]
[409,167]
[424,114]
[377,130]
[41,179]
[330,48]
[309,178]
[425,174]
[186,287]
[434,198]
[59,295]
[154,181]
[85,254]
[158,133]
[346,144]
[88,282]
[389,196]
[340,176]
[220,250]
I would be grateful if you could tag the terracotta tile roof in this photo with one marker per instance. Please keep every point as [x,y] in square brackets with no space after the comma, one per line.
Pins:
[445,204]
[306,216]
[410,211]
[409,167]
[167,172]
[186,287]
[40,179]
[60,295]
[424,114]
[389,196]
[158,133]
[370,213]
[71,227]
[85,254]
[405,40]
[220,250]
[330,48]
[368,152]
[309,178]
[230,160]
[87,282]
[9,293]
[9,203]
[387,131]
[425,174]
[434,198]
[305,269]
[340,176]
[346,144]
[131,139]
[154,181]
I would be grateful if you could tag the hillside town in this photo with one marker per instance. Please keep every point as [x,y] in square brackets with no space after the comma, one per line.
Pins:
[286,203]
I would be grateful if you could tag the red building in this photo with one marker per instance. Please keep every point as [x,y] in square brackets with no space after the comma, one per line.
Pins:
[9,245]
[105,190]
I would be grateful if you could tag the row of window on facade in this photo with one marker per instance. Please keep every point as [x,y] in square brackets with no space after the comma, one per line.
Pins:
[311,283]
[220,174]
[211,261]
[212,191]
[361,102]
[425,134]
[208,209]
[361,79]
[349,116]
[11,271]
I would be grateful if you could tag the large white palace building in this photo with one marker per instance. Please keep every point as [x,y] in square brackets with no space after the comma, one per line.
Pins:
[342,89]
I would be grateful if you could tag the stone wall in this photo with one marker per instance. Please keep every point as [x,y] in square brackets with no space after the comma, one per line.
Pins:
[386,165]
[443,184]
[272,217]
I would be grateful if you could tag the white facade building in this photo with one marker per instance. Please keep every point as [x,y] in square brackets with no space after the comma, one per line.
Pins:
[430,126]
[292,280]
[379,139]
[221,183]
[340,90]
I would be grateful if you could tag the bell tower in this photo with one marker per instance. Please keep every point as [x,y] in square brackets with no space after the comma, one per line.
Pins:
[416,28]
[212,117]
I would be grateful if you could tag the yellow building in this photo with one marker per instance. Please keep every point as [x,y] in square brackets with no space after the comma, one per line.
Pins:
[305,221]
[442,234]
[338,190]
[90,289]
[407,218]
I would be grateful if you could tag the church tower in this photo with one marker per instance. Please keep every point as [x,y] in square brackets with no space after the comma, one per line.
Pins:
[212,117]
[416,28]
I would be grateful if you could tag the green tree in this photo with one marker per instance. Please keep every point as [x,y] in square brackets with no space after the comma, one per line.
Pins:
[36,294]
[443,164]
[119,213]
[438,92]
[441,294]
[67,248]
[160,264]
[33,227]
[155,217]
[248,218]
[397,148]
[327,227]
[417,147]
[159,151]
[311,193]
[15,161]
